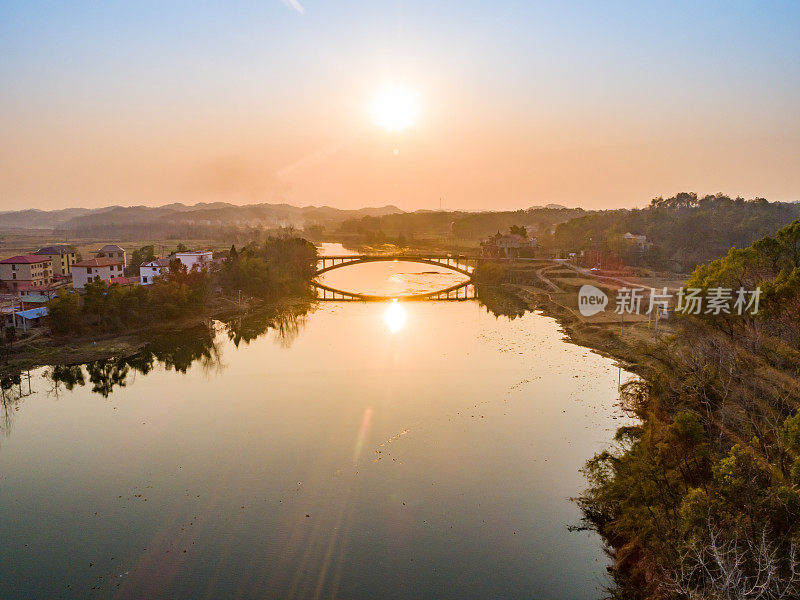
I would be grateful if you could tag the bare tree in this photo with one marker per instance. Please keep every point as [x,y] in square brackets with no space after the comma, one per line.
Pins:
[732,567]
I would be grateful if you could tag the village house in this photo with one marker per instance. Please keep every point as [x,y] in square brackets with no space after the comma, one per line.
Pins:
[24,318]
[62,257]
[508,246]
[150,270]
[103,268]
[191,259]
[113,251]
[639,240]
[200,259]
[26,271]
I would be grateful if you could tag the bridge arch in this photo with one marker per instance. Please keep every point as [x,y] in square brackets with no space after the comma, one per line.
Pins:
[464,265]
[460,264]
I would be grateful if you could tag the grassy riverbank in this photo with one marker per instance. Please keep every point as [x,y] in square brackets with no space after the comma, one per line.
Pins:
[552,288]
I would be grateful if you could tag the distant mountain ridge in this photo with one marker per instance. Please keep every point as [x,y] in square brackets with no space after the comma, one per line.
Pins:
[203,213]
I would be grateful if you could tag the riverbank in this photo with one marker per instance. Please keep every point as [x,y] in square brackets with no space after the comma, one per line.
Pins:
[42,349]
[552,288]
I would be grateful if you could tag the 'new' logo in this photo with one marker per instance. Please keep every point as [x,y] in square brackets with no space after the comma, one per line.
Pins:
[591,300]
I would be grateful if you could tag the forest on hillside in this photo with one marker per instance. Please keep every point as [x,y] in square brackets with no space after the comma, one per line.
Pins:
[700,497]
[683,230]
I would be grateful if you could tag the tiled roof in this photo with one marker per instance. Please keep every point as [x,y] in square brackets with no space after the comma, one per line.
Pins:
[98,262]
[59,249]
[124,280]
[159,262]
[26,259]
[111,248]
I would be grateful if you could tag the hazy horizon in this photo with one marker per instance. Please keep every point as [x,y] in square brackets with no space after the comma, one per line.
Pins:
[596,106]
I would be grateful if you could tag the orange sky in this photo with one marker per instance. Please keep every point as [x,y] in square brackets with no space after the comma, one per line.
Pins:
[279,114]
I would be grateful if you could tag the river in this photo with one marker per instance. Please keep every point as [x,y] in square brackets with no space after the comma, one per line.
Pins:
[356,450]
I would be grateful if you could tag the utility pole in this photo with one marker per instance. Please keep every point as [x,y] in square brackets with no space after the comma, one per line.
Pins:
[22,314]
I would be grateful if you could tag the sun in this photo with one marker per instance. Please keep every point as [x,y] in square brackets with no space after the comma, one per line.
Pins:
[394,107]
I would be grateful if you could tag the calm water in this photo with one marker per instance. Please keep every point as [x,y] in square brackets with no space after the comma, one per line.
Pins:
[363,450]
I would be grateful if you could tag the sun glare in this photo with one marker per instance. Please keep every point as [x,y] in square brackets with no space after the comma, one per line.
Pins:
[394,107]
[395,316]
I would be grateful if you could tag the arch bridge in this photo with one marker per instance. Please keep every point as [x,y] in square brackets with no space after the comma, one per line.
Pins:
[457,263]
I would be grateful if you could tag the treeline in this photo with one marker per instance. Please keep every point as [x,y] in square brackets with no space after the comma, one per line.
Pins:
[278,268]
[148,230]
[701,497]
[455,224]
[282,266]
[684,230]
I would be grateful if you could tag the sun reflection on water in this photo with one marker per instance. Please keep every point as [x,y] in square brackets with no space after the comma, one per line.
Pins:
[395,316]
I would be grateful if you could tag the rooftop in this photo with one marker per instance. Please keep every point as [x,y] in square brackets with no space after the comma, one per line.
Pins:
[57,249]
[124,280]
[159,262]
[111,248]
[98,262]
[32,313]
[24,259]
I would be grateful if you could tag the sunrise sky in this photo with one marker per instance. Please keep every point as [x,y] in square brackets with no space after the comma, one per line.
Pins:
[593,104]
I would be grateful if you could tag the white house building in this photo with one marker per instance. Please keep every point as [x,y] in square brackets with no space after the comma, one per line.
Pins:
[200,259]
[150,270]
[639,240]
[95,268]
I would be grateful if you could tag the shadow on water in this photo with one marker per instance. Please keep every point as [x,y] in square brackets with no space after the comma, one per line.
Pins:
[500,303]
[175,351]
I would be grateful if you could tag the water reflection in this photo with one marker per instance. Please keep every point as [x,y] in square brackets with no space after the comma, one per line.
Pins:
[287,322]
[12,391]
[198,346]
[177,351]
[395,316]
[500,303]
[435,462]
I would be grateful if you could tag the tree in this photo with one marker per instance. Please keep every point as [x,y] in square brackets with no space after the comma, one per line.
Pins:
[518,230]
[139,256]
[64,313]
[10,336]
